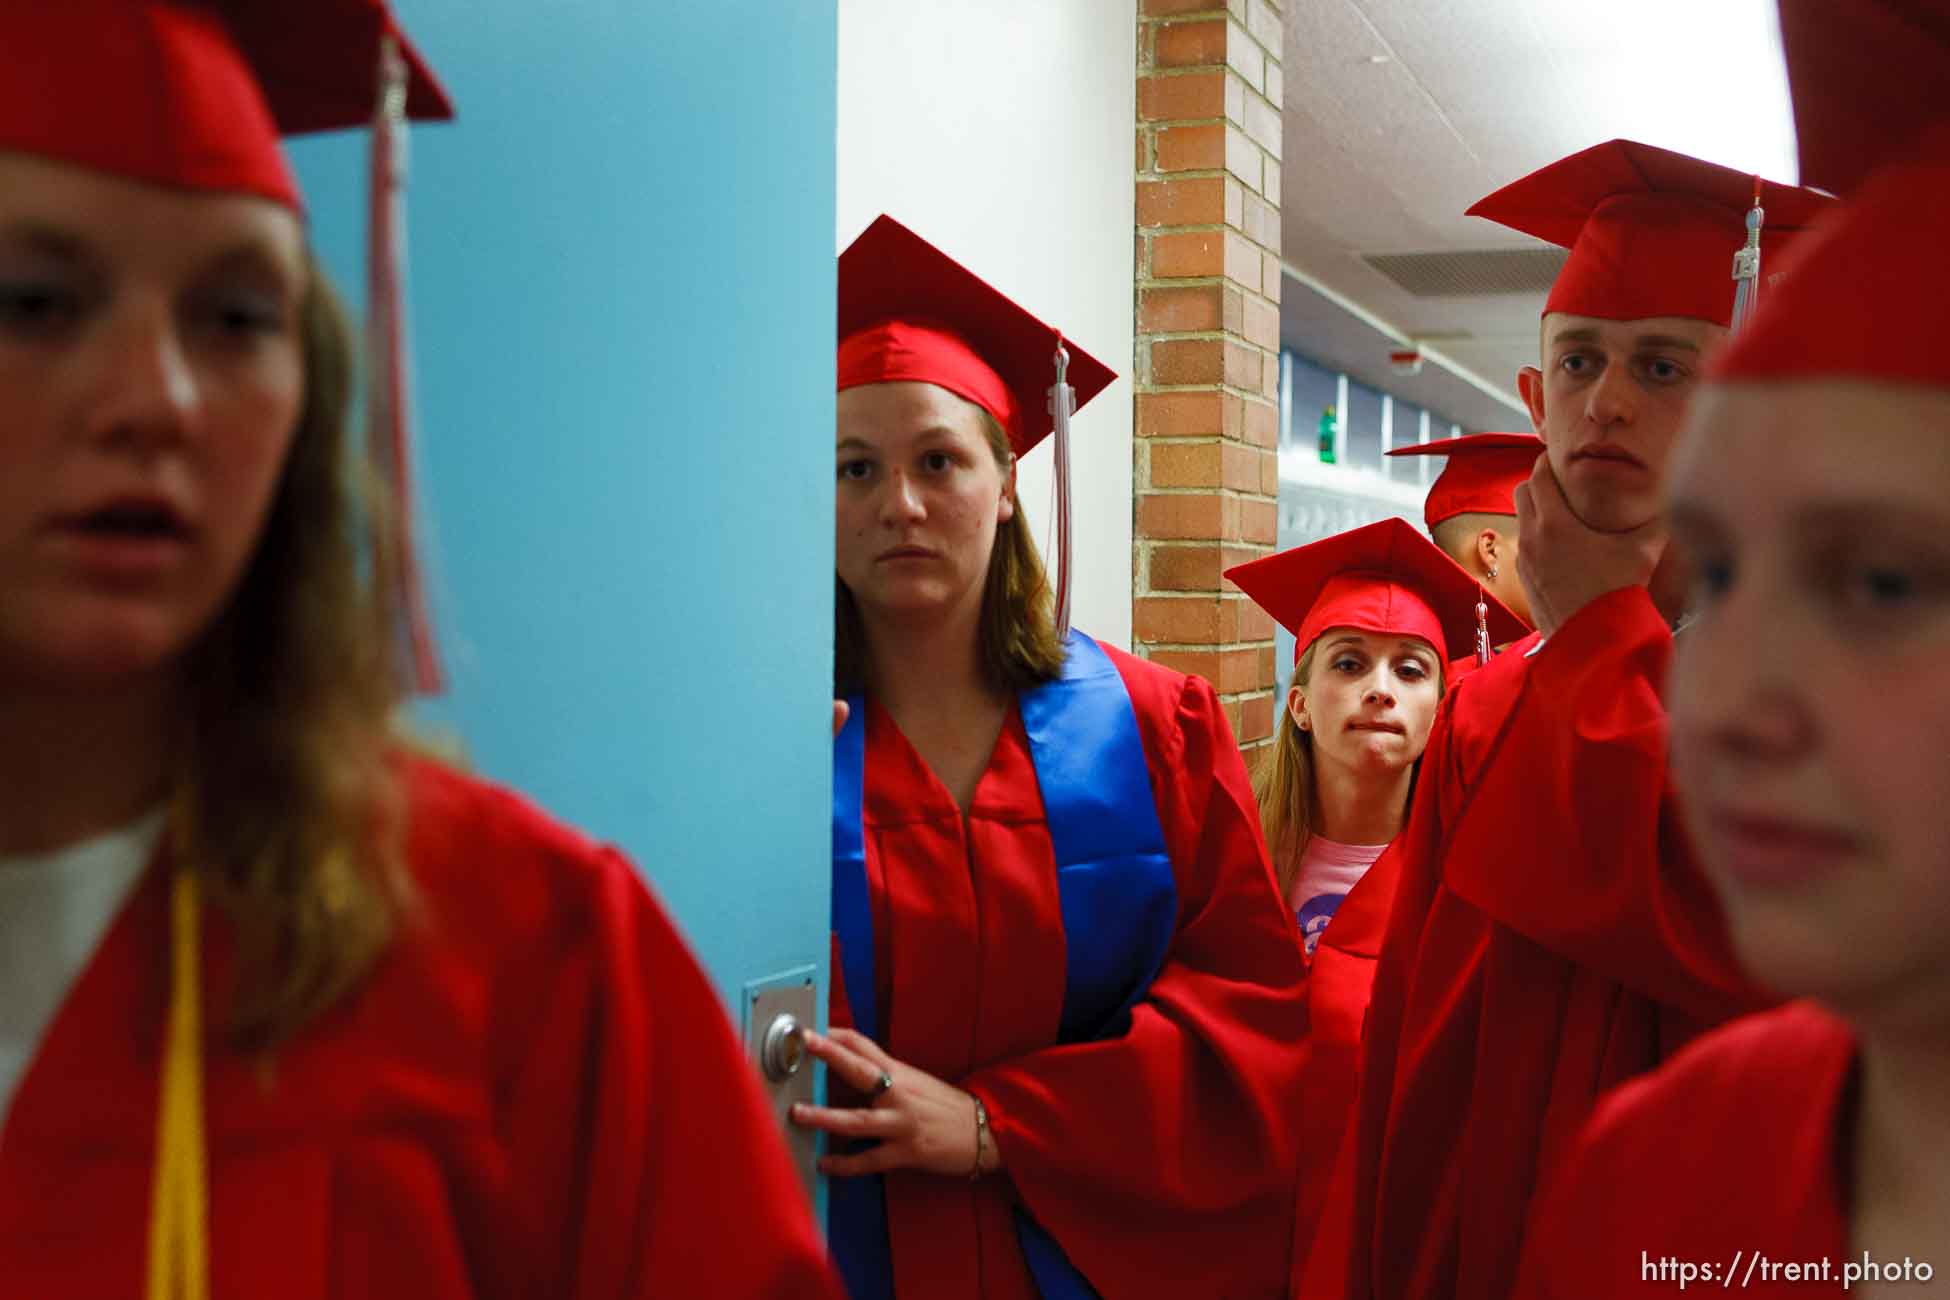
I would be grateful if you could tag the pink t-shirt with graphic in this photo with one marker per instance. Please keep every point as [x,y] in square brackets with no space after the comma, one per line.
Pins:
[1328,869]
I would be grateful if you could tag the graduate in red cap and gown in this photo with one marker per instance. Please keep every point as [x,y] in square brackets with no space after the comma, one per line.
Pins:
[1374,614]
[286,1010]
[1548,938]
[1471,512]
[1066,1005]
[1810,698]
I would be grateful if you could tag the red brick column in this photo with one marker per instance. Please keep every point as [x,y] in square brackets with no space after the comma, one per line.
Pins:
[1206,476]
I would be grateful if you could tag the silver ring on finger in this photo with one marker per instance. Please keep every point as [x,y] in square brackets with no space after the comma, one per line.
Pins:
[883,1085]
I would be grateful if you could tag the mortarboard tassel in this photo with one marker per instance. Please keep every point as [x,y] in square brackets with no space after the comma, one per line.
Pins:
[1062,404]
[1746,265]
[179,1202]
[1482,629]
[389,419]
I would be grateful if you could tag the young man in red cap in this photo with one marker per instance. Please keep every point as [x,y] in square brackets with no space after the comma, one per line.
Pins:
[1807,1150]
[1471,511]
[287,1009]
[1545,942]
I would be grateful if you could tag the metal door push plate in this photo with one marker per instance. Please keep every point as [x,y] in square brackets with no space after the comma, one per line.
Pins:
[777,1012]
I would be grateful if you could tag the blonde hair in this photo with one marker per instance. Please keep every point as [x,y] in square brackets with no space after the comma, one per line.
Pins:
[1019,646]
[1283,780]
[290,782]
[1283,783]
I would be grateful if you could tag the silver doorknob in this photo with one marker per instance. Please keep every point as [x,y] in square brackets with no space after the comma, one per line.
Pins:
[784,1049]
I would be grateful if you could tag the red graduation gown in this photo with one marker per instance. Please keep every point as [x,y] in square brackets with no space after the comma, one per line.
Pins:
[1161,1161]
[534,1093]
[1340,979]
[1732,1155]
[1549,938]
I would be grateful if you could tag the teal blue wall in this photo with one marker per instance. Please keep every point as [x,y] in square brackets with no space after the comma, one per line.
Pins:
[622,290]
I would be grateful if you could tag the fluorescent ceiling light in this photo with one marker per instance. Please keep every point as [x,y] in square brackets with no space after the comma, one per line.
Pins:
[1703,77]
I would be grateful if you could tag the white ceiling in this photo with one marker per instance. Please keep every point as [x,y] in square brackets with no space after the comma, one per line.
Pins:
[1401,113]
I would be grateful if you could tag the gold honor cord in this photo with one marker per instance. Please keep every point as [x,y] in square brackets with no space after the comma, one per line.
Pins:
[179,1237]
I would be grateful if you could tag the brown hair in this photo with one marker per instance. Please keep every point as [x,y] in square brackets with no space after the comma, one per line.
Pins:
[1283,781]
[1457,534]
[291,793]
[1018,622]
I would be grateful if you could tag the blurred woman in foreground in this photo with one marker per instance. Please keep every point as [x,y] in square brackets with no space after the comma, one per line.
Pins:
[1810,701]
[286,1010]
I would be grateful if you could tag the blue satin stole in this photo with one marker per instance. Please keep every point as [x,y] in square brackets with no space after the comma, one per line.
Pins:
[1117,894]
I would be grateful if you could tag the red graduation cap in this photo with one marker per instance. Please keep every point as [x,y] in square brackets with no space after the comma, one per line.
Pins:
[1867,295]
[1867,77]
[1481,476]
[1384,578]
[1651,232]
[908,311]
[194,95]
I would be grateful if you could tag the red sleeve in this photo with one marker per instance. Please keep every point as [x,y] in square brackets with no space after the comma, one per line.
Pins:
[636,1121]
[1572,838]
[1164,1160]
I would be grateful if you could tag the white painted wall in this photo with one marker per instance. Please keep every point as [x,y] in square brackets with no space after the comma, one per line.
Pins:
[1002,131]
